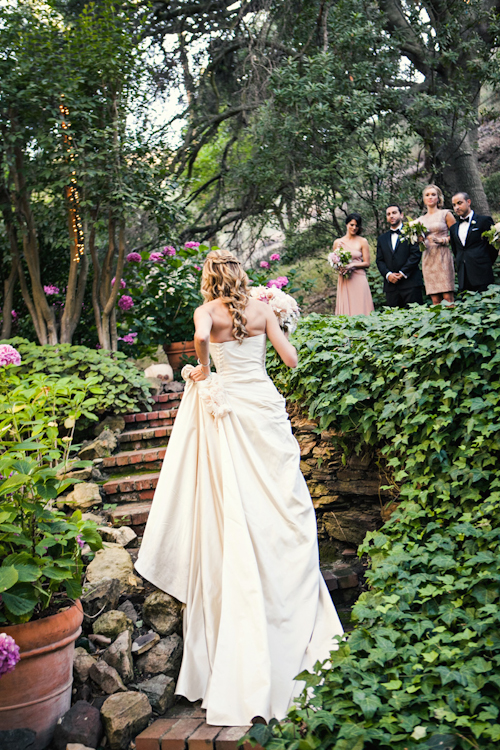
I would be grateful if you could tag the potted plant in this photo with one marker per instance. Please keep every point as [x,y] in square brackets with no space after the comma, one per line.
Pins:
[40,548]
[160,292]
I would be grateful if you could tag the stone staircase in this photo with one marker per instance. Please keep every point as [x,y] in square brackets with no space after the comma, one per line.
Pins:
[135,469]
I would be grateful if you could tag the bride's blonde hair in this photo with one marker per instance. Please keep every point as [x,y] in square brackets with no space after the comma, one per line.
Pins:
[223,278]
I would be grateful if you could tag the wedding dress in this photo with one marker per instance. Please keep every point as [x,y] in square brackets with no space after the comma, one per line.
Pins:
[232,534]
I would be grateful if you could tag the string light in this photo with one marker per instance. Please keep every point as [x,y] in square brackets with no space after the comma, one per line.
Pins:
[72,190]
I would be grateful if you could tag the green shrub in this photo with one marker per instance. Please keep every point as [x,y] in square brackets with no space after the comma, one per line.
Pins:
[123,386]
[421,669]
[492,190]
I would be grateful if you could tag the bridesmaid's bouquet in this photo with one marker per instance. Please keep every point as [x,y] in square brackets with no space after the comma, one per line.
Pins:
[283,305]
[339,259]
[493,235]
[412,231]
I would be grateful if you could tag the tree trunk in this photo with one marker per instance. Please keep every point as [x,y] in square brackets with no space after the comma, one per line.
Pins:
[77,280]
[108,318]
[8,299]
[459,171]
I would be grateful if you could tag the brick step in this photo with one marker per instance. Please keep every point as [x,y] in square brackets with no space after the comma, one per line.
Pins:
[130,514]
[147,438]
[167,401]
[190,734]
[160,418]
[140,461]
[131,489]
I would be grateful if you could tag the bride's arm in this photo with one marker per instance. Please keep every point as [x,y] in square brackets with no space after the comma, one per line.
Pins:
[203,326]
[286,351]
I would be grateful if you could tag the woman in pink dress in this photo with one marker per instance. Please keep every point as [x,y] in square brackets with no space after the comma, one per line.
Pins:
[353,291]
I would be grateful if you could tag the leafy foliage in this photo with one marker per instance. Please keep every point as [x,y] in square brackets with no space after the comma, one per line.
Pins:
[421,667]
[122,386]
[40,549]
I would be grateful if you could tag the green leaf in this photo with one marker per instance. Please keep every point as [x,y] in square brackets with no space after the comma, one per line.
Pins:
[20,600]
[8,577]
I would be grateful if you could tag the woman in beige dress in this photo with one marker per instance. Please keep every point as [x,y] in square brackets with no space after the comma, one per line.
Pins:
[437,260]
[353,291]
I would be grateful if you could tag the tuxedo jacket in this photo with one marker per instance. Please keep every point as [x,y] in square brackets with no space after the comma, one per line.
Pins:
[477,255]
[405,258]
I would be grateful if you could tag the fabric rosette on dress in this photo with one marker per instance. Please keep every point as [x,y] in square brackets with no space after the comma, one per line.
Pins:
[211,392]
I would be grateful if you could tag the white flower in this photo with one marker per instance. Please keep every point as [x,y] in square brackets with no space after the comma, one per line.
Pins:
[69,422]
[52,424]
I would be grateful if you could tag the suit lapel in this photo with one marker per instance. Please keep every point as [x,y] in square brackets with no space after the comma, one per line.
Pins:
[469,230]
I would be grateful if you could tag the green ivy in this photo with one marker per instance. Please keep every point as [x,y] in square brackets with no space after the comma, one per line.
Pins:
[422,667]
[123,387]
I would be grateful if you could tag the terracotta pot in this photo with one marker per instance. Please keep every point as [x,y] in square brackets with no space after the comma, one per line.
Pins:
[178,351]
[38,692]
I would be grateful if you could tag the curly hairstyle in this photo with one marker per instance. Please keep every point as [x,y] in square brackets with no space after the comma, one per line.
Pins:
[439,192]
[223,278]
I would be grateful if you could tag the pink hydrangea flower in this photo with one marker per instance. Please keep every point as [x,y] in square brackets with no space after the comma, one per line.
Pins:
[98,346]
[125,302]
[50,289]
[189,245]
[282,280]
[9,355]
[198,268]
[80,541]
[264,264]
[14,315]
[275,256]
[169,250]
[156,257]
[9,653]
[122,282]
[133,258]
[129,338]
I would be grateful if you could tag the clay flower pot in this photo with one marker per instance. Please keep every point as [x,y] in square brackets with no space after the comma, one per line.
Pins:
[38,692]
[178,351]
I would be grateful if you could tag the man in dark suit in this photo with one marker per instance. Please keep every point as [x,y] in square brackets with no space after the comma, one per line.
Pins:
[475,256]
[398,262]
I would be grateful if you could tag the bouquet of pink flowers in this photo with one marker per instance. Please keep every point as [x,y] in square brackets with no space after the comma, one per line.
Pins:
[283,305]
[339,259]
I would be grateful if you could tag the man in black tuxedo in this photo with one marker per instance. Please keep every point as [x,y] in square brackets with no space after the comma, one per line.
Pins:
[475,256]
[398,262]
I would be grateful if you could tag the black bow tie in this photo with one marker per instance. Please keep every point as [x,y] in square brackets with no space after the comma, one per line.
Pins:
[395,231]
[464,218]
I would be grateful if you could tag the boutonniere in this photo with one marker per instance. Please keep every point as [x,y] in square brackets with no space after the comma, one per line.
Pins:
[473,221]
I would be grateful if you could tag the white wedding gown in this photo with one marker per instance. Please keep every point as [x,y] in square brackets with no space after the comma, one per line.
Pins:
[232,534]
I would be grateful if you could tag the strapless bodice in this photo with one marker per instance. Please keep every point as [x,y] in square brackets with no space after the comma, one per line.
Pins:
[245,361]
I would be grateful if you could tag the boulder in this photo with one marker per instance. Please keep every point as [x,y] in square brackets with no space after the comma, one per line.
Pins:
[112,623]
[82,661]
[164,658]
[129,610]
[163,613]
[101,596]
[106,678]
[102,446]
[144,643]
[159,357]
[84,495]
[123,535]
[160,692]
[155,385]
[119,656]
[162,372]
[125,715]
[77,746]
[17,739]
[350,525]
[95,517]
[114,422]
[114,562]
[81,724]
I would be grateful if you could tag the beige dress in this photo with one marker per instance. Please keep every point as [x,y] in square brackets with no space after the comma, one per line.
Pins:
[437,261]
[353,292]
[232,534]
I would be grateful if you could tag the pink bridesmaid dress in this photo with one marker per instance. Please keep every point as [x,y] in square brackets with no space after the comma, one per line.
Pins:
[353,292]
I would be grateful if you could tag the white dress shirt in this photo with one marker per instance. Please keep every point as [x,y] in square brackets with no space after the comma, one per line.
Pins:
[463,228]
[394,242]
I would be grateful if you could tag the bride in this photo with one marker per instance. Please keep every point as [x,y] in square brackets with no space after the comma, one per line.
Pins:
[232,529]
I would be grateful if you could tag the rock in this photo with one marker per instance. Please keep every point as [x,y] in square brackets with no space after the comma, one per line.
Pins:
[160,692]
[80,725]
[102,446]
[81,692]
[112,623]
[162,372]
[350,525]
[125,715]
[129,610]
[17,739]
[159,357]
[95,517]
[106,677]
[155,385]
[114,562]
[82,661]
[75,473]
[123,535]
[84,495]
[163,613]
[144,643]
[77,746]
[113,422]
[119,656]
[164,658]
[101,596]
[101,640]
